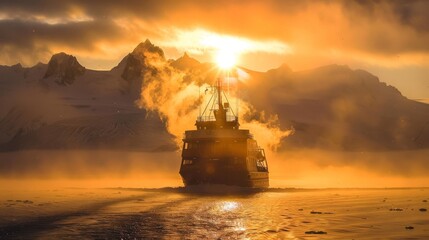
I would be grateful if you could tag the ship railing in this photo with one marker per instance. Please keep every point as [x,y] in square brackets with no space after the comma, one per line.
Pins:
[229,118]
[206,119]
[258,150]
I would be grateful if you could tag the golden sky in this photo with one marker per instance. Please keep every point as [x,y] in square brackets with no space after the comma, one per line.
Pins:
[387,38]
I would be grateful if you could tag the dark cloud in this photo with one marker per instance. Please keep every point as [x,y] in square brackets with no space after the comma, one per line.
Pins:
[389,27]
[412,13]
[77,34]
[31,41]
[97,9]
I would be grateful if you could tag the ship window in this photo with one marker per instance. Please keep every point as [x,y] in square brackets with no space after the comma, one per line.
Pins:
[261,165]
[190,145]
[187,162]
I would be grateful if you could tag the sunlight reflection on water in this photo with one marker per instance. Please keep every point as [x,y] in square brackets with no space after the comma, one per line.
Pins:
[114,214]
[228,206]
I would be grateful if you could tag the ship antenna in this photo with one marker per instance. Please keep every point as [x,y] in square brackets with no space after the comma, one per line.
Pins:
[199,97]
[219,95]
[237,99]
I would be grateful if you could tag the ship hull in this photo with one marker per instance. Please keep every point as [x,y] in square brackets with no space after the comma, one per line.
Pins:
[192,177]
[223,156]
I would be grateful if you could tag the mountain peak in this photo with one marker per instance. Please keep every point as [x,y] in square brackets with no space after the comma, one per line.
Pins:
[147,46]
[17,67]
[282,69]
[64,68]
[38,64]
[62,57]
[138,61]
[185,62]
[285,67]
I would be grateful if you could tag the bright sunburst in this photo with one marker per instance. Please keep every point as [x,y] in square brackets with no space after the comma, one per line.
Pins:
[226,59]
[225,50]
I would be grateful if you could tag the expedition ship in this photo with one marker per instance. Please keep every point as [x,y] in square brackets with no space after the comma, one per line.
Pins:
[218,152]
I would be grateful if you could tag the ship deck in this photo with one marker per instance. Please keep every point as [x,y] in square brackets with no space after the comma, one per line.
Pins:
[217,133]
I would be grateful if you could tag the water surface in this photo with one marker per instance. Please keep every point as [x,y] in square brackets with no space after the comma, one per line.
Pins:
[173,214]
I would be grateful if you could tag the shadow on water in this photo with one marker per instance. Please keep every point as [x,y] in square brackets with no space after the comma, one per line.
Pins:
[148,224]
[117,226]
[203,190]
[225,190]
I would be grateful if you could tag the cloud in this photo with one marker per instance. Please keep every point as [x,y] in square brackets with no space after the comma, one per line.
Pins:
[38,39]
[198,41]
[375,30]
[77,34]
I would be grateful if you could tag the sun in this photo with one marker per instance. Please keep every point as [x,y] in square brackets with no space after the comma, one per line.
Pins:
[226,59]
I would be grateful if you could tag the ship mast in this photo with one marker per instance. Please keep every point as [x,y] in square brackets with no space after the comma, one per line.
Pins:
[219,93]
[221,119]
[220,113]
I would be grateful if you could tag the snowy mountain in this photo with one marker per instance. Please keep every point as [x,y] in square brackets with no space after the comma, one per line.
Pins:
[132,131]
[335,107]
[63,69]
[64,105]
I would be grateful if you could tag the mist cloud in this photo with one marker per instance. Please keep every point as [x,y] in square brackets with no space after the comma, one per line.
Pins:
[173,94]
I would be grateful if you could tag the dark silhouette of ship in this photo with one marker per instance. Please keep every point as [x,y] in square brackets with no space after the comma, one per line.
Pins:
[218,152]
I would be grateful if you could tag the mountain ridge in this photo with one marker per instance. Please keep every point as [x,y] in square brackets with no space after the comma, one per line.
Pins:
[330,107]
